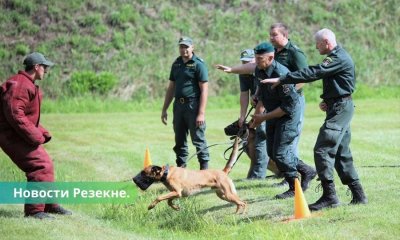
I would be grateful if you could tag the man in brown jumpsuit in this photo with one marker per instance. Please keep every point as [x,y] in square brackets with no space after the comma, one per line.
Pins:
[21,135]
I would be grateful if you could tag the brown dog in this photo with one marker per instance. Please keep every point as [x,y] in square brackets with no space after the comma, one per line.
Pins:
[184,182]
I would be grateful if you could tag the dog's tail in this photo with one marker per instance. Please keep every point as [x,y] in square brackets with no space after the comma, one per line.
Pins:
[233,157]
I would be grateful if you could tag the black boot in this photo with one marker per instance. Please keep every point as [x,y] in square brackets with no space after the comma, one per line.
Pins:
[328,199]
[59,210]
[307,173]
[182,165]
[290,192]
[203,165]
[283,183]
[358,193]
[40,215]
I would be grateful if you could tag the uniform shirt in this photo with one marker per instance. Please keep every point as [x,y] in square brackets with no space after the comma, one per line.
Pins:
[283,96]
[247,83]
[291,57]
[336,70]
[20,110]
[187,76]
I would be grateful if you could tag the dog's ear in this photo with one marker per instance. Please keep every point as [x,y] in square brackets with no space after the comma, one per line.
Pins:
[156,171]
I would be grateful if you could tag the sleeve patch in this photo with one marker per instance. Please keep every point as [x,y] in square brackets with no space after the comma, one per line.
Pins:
[327,61]
[285,88]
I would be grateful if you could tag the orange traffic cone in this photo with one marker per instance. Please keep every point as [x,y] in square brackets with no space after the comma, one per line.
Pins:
[300,204]
[147,159]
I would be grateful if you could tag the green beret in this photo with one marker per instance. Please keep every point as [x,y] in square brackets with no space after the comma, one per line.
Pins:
[264,47]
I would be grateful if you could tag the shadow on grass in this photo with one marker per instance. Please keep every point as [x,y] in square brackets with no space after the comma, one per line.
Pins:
[229,205]
[4,213]
[271,215]
[215,208]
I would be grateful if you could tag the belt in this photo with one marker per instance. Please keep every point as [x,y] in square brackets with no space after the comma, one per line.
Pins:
[184,100]
[337,99]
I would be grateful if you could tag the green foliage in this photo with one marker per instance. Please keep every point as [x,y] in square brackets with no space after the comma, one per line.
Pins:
[86,82]
[136,40]
[104,83]
[60,41]
[3,53]
[81,42]
[90,20]
[21,49]
[118,40]
[125,15]
[100,29]
[169,14]
[23,7]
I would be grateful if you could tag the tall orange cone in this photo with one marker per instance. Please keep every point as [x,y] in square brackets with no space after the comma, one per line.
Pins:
[300,204]
[147,159]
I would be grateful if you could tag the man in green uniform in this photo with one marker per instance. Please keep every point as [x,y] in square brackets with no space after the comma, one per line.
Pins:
[189,86]
[282,115]
[248,85]
[291,56]
[332,149]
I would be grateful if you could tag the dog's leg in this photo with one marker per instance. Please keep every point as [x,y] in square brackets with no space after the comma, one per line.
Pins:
[233,198]
[172,205]
[227,192]
[164,197]
[220,194]
[233,157]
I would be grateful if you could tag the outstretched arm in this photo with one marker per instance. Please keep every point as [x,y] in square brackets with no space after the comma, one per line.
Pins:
[275,82]
[247,68]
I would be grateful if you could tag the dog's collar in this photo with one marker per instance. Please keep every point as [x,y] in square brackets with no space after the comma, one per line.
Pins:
[165,174]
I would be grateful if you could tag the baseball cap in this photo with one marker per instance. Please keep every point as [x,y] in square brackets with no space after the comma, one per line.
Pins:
[186,41]
[247,55]
[37,58]
[264,47]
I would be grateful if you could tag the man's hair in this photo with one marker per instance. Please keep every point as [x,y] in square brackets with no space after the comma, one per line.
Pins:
[327,34]
[283,28]
[29,68]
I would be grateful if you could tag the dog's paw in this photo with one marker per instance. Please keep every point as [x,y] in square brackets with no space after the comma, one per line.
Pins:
[243,207]
[151,206]
[177,208]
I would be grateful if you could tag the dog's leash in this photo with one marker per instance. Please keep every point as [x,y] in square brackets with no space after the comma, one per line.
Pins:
[243,138]
[216,144]
[209,146]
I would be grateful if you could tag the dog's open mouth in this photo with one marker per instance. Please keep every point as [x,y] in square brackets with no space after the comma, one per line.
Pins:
[142,181]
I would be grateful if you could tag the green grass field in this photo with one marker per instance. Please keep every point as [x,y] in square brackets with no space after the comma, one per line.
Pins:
[111,147]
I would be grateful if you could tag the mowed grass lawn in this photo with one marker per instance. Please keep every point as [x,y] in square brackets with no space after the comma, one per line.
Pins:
[111,147]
